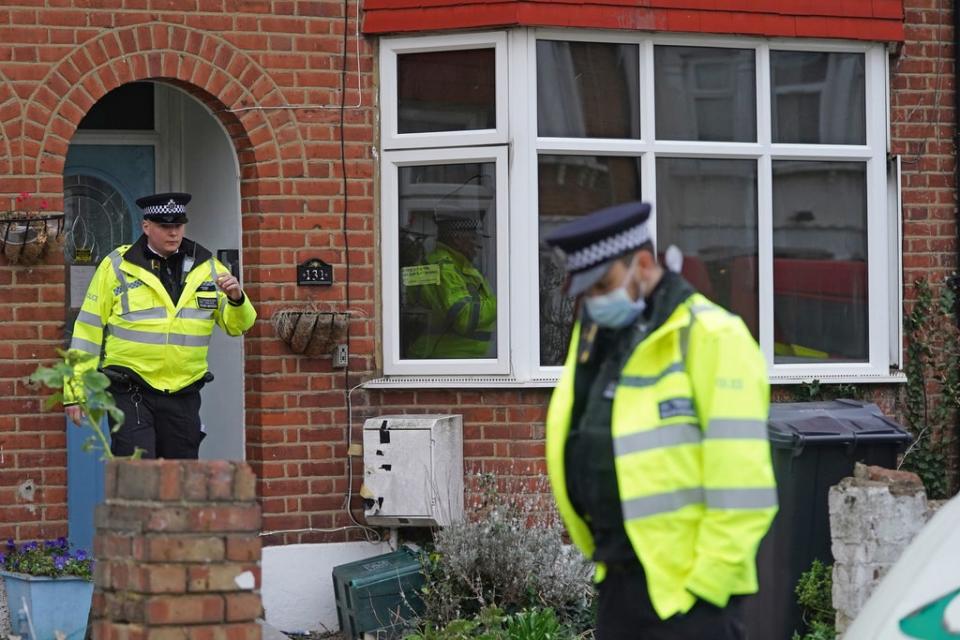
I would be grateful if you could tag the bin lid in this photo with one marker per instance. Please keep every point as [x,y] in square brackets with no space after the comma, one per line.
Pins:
[793,425]
[388,566]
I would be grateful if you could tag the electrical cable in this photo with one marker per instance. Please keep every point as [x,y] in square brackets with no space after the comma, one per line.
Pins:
[342,97]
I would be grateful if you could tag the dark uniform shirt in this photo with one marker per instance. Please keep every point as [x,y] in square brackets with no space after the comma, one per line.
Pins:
[169,270]
[589,458]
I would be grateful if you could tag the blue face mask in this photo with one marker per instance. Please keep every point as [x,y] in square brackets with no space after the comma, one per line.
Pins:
[616,309]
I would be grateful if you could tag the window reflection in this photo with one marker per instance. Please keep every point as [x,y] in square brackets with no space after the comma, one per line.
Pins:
[818,98]
[588,90]
[705,93]
[446,91]
[820,261]
[448,261]
[569,187]
[708,208]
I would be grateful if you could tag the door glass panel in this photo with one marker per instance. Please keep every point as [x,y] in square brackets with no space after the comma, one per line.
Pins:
[818,98]
[588,90]
[570,187]
[708,209]
[448,261]
[820,261]
[705,93]
[446,91]
[128,107]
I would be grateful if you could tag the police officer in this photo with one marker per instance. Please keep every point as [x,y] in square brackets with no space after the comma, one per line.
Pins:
[152,307]
[657,446]
[462,306]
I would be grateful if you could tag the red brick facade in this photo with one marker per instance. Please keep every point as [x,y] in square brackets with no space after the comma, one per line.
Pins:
[58,57]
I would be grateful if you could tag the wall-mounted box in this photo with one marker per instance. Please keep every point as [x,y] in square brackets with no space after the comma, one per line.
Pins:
[413,470]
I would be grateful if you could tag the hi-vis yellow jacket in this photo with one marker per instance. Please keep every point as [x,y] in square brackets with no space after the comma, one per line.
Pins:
[165,344]
[463,309]
[692,456]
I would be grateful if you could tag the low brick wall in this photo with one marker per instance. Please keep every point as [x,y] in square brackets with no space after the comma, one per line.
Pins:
[177,552]
[873,518]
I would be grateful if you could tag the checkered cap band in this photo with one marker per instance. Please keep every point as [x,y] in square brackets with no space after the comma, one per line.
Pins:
[607,248]
[170,207]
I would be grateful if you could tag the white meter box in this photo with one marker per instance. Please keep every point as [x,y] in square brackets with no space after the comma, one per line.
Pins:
[413,470]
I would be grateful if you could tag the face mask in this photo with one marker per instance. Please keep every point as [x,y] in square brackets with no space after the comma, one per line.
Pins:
[616,309]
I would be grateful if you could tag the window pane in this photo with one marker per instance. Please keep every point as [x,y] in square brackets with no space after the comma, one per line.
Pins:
[818,98]
[588,90]
[569,187]
[705,93]
[446,91]
[820,261]
[448,261]
[128,107]
[708,208]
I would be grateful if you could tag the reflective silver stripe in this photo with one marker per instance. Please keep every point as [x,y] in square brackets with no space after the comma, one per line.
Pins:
[649,381]
[155,313]
[146,337]
[213,271]
[195,314]
[669,436]
[115,259]
[661,503]
[91,319]
[454,311]
[727,428]
[184,340]
[85,345]
[753,498]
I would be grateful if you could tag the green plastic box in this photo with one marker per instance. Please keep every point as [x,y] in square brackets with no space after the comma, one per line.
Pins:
[378,593]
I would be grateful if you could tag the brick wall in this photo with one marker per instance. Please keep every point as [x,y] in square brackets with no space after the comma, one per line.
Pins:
[178,552]
[57,57]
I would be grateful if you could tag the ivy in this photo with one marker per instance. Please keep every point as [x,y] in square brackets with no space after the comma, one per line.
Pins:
[933,383]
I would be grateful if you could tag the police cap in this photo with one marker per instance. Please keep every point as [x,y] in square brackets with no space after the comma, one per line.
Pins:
[165,208]
[590,243]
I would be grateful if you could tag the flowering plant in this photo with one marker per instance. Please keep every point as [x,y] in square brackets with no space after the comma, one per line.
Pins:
[50,559]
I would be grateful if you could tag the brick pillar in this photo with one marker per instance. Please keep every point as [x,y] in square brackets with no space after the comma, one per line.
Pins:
[873,517]
[177,552]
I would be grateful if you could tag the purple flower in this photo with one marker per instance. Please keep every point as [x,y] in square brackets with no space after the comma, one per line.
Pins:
[10,544]
[3,559]
[80,555]
[59,562]
[62,542]
[30,546]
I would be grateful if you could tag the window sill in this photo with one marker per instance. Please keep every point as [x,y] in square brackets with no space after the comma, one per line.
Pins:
[509,382]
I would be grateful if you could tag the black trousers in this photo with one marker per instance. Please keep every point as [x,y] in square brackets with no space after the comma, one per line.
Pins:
[163,425]
[626,613]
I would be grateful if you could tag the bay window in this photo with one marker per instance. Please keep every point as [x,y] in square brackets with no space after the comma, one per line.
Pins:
[765,161]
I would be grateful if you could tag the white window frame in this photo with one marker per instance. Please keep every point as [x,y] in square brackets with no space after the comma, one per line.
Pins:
[393,364]
[390,49]
[519,47]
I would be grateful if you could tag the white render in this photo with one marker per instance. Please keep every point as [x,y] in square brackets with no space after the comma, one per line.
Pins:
[297,582]
[413,470]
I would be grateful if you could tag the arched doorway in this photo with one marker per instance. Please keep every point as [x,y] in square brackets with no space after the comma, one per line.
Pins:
[142,138]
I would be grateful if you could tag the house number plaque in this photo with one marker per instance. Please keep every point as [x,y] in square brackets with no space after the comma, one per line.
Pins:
[314,272]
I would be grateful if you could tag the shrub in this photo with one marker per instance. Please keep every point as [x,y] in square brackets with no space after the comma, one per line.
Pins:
[491,623]
[815,597]
[509,553]
[50,559]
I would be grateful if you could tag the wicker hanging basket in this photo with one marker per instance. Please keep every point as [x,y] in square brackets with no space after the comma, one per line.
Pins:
[27,239]
[311,332]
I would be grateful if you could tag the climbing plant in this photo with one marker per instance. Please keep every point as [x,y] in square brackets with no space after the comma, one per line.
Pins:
[932,391]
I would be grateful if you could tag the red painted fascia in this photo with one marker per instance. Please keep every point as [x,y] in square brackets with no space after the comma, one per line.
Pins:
[876,20]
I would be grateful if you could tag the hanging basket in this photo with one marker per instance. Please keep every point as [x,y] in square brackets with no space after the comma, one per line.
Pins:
[310,332]
[27,239]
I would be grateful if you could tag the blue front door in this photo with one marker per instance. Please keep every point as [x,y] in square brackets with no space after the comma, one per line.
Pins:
[101,184]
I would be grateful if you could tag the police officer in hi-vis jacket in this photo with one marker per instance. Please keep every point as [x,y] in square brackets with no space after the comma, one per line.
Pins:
[657,443]
[151,308]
